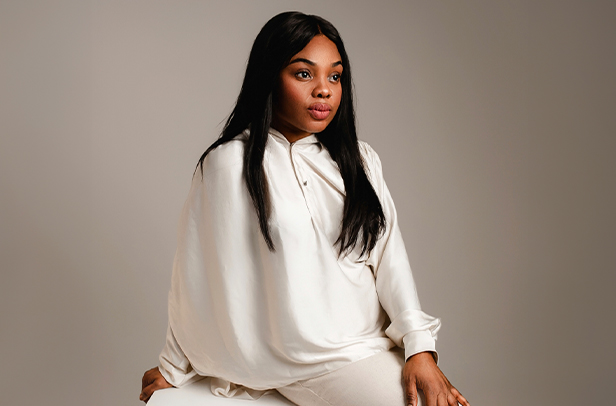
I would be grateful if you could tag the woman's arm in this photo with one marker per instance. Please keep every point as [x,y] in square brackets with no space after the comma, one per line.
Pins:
[410,327]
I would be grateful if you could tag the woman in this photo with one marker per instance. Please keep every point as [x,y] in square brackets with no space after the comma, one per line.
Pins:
[290,272]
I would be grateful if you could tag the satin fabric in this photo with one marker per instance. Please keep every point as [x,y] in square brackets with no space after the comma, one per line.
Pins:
[256,319]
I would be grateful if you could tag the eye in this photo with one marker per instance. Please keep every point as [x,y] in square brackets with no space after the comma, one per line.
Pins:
[335,78]
[303,74]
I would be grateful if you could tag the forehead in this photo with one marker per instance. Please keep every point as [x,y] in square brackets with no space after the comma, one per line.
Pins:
[319,49]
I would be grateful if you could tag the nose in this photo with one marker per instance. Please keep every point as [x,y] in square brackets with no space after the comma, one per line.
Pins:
[322,89]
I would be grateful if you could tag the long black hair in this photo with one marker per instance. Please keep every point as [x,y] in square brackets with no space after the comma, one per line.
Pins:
[281,37]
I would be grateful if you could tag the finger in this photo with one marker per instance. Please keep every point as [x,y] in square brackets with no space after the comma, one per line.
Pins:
[153,387]
[147,378]
[146,383]
[442,399]
[459,398]
[144,380]
[157,384]
[462,400]
[451,400]
[146,393]
[431,397]
[411,393]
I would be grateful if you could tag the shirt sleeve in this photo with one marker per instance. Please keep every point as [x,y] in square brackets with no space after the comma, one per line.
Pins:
[174,365]
[410,327]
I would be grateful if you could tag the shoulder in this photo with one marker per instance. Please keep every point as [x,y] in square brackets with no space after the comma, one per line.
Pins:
[225,157]
[372,162]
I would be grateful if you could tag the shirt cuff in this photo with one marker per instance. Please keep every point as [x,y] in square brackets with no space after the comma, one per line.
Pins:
[415,331]
[173,364]
[179,379]
[419,341]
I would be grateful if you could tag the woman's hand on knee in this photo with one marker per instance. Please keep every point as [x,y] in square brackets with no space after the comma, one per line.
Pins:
[421,372]
[152,381]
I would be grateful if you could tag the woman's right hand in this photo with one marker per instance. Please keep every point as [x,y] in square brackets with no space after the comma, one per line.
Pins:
[152,381]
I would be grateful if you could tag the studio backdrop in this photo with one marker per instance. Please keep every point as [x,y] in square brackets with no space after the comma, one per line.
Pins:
[494,121]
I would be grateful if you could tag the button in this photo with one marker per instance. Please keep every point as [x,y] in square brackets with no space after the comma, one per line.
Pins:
[305,182]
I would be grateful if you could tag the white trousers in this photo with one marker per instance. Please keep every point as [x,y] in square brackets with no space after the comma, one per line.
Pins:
[372,381]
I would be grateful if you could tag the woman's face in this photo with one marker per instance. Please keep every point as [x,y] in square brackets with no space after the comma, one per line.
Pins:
[309,90]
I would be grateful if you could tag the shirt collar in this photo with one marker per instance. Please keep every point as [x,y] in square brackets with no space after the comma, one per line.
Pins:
[277,135]
[311,139]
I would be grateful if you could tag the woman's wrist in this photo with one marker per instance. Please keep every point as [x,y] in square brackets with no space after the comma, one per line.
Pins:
[423,356]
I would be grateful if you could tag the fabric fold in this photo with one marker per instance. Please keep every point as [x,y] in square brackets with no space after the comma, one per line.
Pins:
[223,388]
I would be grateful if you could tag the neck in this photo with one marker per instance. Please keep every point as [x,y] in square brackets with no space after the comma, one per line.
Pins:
[291,136]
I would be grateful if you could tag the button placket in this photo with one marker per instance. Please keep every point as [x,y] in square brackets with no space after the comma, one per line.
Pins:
[302,176]
[301,179]
[307,190]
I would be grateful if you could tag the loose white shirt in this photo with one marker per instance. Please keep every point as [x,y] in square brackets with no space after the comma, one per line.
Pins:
[255,319]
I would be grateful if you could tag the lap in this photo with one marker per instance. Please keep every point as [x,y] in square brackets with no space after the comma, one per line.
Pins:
[372,381]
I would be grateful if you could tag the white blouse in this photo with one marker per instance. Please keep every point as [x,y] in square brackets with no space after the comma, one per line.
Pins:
[255,319]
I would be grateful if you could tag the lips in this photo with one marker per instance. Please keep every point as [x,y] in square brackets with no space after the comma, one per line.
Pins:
[319,111]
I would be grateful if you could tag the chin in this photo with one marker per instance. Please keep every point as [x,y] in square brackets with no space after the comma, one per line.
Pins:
[317,128]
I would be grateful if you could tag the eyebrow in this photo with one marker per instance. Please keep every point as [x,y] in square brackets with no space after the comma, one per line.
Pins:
[309,62]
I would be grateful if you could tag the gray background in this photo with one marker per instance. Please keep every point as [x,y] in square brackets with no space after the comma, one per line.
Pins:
[495,122]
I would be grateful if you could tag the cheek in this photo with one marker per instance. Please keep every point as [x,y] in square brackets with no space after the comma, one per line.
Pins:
[338,98]
[293,95]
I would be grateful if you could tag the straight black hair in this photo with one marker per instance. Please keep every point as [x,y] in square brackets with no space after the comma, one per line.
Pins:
[281,38]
